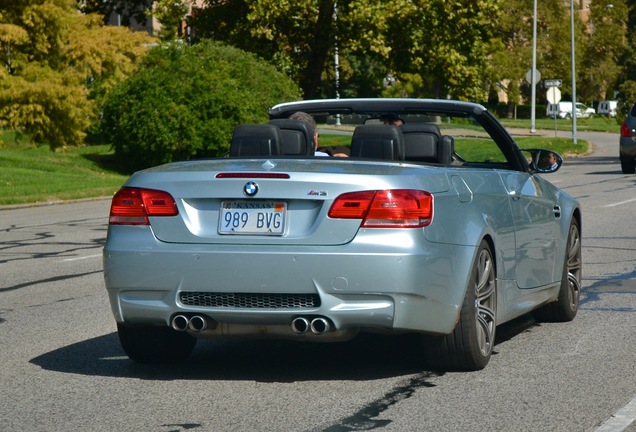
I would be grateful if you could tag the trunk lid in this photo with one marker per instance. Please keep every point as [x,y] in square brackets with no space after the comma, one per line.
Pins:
[289,202]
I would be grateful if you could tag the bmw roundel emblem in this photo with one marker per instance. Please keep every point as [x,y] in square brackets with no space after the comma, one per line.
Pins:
[250,189]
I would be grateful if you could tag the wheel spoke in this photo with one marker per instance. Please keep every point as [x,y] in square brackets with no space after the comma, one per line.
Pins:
[484,273]
[575,290]
[486,329]
[485,303]
[574,267]
[485,291]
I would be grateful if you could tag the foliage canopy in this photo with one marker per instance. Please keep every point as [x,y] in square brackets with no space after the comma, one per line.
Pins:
[54,63]
[185,101]
[434,48]
[446,43]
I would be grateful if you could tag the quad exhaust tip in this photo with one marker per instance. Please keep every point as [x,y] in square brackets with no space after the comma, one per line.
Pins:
[317,325]
[180,323]
[320,325]
[196,323]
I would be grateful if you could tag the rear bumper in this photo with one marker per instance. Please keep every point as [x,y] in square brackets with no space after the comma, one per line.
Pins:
[405,284]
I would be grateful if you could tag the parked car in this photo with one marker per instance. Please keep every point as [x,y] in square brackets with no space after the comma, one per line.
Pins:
[607,108]
[441,227]
[627,143]
[563,110]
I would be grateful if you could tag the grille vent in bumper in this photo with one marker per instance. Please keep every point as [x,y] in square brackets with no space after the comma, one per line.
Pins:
[249,300]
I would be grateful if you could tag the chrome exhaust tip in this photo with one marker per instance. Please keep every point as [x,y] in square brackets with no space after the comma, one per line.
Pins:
[198,323]
[300,325]
[320,325]
[180,323]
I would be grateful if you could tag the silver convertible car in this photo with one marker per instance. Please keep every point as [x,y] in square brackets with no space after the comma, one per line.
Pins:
[437,225]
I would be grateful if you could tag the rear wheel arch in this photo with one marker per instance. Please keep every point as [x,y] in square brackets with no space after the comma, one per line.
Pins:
[491,243]
[470,345]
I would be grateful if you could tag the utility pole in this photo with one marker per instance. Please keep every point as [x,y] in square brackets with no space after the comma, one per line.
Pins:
[573,73]
[533,80]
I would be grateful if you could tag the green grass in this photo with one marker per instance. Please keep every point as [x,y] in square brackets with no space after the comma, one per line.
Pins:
[481,150]
[36,174]
[30,174]
[596,124]
[476,149]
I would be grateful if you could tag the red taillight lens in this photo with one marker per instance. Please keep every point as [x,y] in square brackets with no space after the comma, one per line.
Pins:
[132,206]
[626,132]
[397,208]
[353,205]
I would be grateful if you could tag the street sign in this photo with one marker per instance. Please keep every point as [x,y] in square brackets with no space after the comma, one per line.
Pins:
[537,76]
[552,83]
[554,95]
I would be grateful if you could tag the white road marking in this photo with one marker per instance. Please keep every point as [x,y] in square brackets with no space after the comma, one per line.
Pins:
[621,419]
[82,258]
[621,203]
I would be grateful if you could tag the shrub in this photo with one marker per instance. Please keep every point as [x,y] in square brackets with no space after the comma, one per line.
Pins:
[626,98]
[184,102]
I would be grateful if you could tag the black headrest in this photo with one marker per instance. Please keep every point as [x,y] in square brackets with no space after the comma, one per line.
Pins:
[377,142]
[298,138]
[447,149]
[256,140]
[421,142]
[420,127]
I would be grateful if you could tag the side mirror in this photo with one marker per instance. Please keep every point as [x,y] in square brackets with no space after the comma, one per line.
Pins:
[544,161]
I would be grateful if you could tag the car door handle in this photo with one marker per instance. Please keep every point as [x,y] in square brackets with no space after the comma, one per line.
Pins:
[557,211]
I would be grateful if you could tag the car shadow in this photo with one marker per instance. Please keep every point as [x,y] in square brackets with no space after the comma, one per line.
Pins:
[366,357]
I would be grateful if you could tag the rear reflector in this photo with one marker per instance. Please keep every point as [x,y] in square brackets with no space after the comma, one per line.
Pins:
[397,208]
[626,132]
[132,206]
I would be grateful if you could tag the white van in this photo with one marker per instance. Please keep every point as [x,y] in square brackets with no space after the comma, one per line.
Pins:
[607,108]
[564,110]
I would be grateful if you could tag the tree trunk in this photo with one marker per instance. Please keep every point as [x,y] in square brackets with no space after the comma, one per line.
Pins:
[322,42]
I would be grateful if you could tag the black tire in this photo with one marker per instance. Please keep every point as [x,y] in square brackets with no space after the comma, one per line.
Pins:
[151,344]
[628,164]
[566,306]
[470,345]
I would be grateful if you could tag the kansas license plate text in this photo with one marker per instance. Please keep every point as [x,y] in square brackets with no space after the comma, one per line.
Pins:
[251,217]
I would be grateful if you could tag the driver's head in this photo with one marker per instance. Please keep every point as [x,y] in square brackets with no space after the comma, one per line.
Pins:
[391,120]
[307,118]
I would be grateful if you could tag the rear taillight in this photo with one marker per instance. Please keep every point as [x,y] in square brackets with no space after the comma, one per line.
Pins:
[626,132]
[132,206]
[397,208]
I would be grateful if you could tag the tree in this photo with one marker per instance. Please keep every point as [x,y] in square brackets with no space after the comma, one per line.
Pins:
[127,10]
[627,77]
[56,63]
[170,13]
[185,101]
[553,47]
[447,43]
[297,43]
[510,63]
[605,46]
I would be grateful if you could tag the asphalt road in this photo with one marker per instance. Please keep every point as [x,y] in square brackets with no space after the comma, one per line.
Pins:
[61,367]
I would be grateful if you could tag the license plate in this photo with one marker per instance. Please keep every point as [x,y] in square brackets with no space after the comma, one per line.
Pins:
[253,217]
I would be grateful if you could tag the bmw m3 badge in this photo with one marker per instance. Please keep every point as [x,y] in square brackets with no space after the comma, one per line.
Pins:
[250,189]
